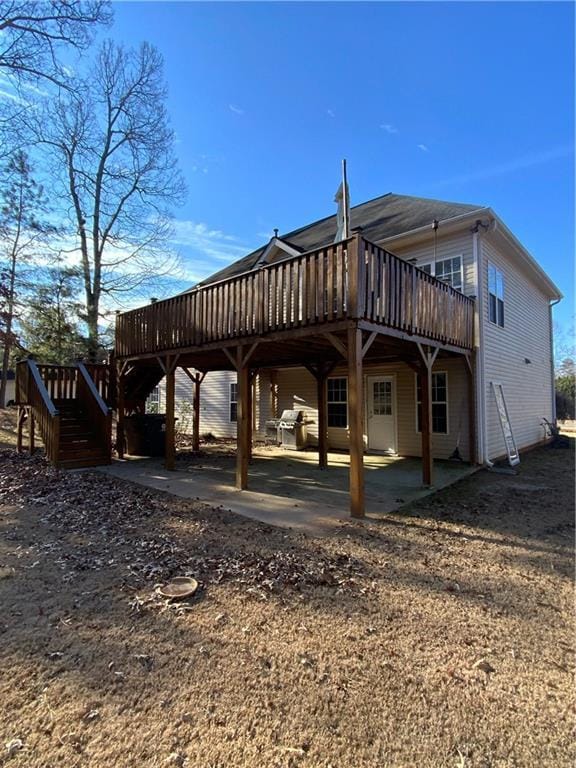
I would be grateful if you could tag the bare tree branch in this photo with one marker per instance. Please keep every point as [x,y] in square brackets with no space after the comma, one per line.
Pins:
[112,147]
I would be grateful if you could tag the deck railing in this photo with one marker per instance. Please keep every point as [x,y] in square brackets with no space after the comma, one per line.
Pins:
[42,386]
[352,279]
[31,390]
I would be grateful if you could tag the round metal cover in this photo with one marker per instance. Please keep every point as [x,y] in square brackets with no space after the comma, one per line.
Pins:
[179,587]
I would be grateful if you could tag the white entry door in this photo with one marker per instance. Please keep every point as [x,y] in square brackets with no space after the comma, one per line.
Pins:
[381,413]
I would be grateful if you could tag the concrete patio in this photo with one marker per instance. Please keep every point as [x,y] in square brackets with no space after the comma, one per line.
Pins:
[286,488]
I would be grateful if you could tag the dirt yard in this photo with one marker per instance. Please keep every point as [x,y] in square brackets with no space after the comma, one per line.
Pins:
[441,636]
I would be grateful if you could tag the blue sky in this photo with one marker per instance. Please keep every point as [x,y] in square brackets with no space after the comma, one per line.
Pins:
[471,102]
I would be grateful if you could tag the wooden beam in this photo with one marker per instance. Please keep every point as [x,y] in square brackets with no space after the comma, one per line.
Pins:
[20,422]
[273,394]
[196,413]
[472,436]
[426,425]
[335,341]
[31,431]
[356,421]
[369,343]
[120,407]
[170,453]
[322,398]
[242,426]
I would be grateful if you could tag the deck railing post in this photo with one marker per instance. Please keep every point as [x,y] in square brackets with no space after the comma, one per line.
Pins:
[355,269]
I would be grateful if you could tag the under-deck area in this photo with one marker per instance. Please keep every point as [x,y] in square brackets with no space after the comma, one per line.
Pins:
[286,487]
[350,303]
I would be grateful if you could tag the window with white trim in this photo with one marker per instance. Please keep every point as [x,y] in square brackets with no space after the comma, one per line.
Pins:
[153,400]
[439,403]
[337,402]
[495,296]
[447,270]
[233,401]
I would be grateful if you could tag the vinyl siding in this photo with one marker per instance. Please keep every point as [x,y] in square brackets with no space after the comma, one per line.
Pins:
[297,389]
[526,334]
[447,248]
[215,403]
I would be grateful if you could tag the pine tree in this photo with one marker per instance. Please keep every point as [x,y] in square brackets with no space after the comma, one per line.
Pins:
[50,326]
[23,230]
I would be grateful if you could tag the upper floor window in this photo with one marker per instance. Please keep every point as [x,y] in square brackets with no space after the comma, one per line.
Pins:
[337,402]
[233,401]
[447,270]
[495,295]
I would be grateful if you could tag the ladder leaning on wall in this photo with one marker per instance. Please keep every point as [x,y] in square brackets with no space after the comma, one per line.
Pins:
[509,441]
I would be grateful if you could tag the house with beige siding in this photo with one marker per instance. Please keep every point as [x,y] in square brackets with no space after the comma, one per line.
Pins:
[427,332]
[470,249]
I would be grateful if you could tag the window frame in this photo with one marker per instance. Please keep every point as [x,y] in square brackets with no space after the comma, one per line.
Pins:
[499,317]
[433,266]
[437,402]
[336,402]
[233,401]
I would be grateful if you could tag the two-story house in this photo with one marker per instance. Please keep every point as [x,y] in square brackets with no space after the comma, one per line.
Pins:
[426,333]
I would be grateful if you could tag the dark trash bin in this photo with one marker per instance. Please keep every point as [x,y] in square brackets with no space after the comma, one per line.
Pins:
[145,434]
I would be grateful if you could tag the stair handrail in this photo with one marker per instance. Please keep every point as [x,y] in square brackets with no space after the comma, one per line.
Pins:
[42,390]
[101,415]
[33,393]
[92,388]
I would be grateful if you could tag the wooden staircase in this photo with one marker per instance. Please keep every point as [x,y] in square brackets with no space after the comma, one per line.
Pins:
[67,406]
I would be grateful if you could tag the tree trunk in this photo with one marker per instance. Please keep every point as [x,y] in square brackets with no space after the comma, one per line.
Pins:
[5,360]
[92,324]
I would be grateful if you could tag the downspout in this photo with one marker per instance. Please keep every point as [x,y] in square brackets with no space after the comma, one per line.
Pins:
[552,372]
[482,419]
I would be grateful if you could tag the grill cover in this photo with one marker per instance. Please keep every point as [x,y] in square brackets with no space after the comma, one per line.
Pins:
[291,417]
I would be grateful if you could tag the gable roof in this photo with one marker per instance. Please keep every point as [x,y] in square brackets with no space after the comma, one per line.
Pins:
[382,217]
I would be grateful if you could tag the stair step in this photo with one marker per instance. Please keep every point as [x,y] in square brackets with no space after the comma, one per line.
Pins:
[81,454]
[78,463]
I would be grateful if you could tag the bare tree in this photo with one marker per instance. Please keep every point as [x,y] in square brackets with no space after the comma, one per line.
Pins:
[112,143]
[34,34]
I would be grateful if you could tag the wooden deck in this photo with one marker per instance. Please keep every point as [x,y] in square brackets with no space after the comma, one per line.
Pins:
[349,301]
[351,280]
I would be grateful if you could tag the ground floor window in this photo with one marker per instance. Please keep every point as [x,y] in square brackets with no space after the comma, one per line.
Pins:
[153,400]
[337,402]
[439,403]
[233,401]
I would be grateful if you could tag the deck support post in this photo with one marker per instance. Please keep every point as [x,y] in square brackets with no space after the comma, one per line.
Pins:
[252,426]
[322,397]
[120,393]
[472,436]
[196,414]
[196,379]
[428,357]
[169,365]
[31,431]
[244,410]
[242,424]
[356,421]
[321,373]
[20,423]
[273,394]
[170,453]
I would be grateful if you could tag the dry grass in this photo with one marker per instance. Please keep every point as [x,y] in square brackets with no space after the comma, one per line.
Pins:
[450,645]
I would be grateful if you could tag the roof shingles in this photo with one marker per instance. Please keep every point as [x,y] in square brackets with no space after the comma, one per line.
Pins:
[383,217]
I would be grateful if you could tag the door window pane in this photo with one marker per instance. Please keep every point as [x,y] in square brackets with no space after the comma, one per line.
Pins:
[382,398]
